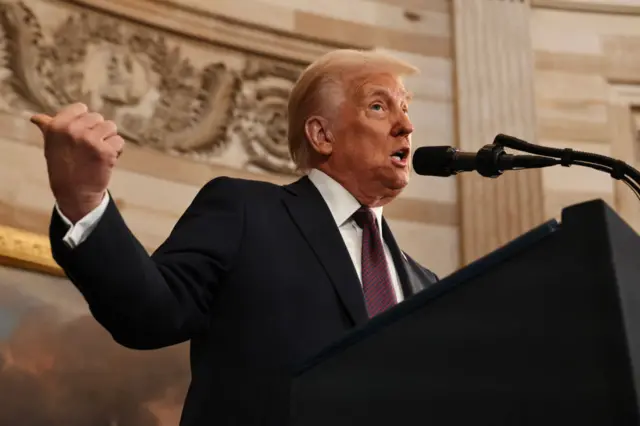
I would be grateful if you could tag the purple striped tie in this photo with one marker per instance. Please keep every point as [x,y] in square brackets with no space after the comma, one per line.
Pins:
[376,280]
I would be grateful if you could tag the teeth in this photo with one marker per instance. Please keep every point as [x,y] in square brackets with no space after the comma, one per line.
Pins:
[400,155]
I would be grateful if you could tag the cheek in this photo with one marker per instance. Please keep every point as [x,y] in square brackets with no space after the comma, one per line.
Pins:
[372,132]
[369,142]
[364,142]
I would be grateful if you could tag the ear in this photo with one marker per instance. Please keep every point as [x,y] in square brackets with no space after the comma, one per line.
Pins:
[318,134]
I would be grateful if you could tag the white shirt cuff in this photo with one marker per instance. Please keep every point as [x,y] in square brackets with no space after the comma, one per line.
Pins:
[82,229]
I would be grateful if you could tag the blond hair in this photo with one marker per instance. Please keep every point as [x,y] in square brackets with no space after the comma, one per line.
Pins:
[319,81]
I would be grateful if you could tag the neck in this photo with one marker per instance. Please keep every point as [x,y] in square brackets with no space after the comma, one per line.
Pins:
[360,192]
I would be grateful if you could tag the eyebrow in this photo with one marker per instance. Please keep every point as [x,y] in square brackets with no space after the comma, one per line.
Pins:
[378,91]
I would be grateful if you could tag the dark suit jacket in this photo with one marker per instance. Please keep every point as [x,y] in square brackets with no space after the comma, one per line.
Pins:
[255,275]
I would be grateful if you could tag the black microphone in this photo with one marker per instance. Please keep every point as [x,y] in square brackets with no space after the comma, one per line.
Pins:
[490,161]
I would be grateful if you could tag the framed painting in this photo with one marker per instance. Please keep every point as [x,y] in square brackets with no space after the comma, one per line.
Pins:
[59,366]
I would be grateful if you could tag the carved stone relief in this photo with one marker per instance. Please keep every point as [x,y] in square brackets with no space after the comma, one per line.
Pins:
[260,117]
[207,104]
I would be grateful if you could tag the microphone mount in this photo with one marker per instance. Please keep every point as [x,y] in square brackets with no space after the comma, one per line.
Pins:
[492,160]
[567,157]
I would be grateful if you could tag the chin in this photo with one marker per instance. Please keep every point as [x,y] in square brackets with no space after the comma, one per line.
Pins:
[395,187]
[401,180]
[391,181]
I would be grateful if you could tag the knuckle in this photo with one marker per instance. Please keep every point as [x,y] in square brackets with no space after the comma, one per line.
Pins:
[116,142]
[104,126]
[111,125]
[72,129]
[96,117]
[88,135]
[80,106]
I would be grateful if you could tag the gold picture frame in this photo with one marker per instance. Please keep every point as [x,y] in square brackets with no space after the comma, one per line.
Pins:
[27,250]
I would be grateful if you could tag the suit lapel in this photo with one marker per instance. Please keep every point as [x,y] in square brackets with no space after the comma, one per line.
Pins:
[312,216]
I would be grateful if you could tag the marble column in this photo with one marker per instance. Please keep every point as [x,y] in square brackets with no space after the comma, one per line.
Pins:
[494,84]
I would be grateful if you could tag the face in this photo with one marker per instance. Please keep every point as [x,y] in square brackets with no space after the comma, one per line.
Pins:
[371,139]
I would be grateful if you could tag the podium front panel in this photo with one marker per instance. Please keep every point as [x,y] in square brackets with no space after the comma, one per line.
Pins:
[538,339]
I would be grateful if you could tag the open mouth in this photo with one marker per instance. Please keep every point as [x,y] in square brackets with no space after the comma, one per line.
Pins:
[400,155]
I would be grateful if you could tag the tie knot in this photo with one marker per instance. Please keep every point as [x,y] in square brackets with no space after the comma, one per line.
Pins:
[364,217]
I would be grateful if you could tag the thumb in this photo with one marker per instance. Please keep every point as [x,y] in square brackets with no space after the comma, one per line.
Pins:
[42,121]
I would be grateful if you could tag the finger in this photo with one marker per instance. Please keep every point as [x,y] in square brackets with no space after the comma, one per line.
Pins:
[66,115]
[116,143]
[83,125]
[42,121]
[102,131]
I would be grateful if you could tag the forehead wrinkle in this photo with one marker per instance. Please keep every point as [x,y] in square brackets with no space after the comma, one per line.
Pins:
[360,84]
[385,92]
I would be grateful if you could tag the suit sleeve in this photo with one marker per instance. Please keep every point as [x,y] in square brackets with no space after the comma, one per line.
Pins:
[79,231]
[148,302]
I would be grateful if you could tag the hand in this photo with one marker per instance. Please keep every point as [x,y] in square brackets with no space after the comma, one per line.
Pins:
[81,148]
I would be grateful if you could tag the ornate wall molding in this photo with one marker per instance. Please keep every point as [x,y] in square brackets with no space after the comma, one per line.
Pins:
[197,20]
[598,6]
[207,103]
[494,79]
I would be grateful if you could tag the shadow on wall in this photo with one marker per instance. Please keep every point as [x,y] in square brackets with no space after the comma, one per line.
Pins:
[59,368]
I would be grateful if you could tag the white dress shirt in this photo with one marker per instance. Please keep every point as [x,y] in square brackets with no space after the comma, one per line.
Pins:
[342,206]
[82,229]
[340,202]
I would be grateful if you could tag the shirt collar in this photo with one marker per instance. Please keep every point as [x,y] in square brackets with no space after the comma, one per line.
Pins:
[340,201]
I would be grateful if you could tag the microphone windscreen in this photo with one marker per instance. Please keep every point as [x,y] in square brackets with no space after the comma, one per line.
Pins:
[433,160]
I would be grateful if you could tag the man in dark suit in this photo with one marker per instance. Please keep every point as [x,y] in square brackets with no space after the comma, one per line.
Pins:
[258,277]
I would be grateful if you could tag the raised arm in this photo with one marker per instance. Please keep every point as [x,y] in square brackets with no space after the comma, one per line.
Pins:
[144,301]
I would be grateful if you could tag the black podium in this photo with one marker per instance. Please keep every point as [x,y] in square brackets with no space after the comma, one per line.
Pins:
[544,331]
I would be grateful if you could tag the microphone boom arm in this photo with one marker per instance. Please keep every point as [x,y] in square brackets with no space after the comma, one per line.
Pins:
[567,157]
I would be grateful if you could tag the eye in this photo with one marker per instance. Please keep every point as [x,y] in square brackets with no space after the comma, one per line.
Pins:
[377,106]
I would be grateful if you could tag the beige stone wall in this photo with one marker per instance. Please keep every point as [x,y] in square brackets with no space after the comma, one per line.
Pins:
[563,73]
[129,59]
[587,79]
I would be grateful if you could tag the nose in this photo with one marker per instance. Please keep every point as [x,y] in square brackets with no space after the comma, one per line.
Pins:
[403,126]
